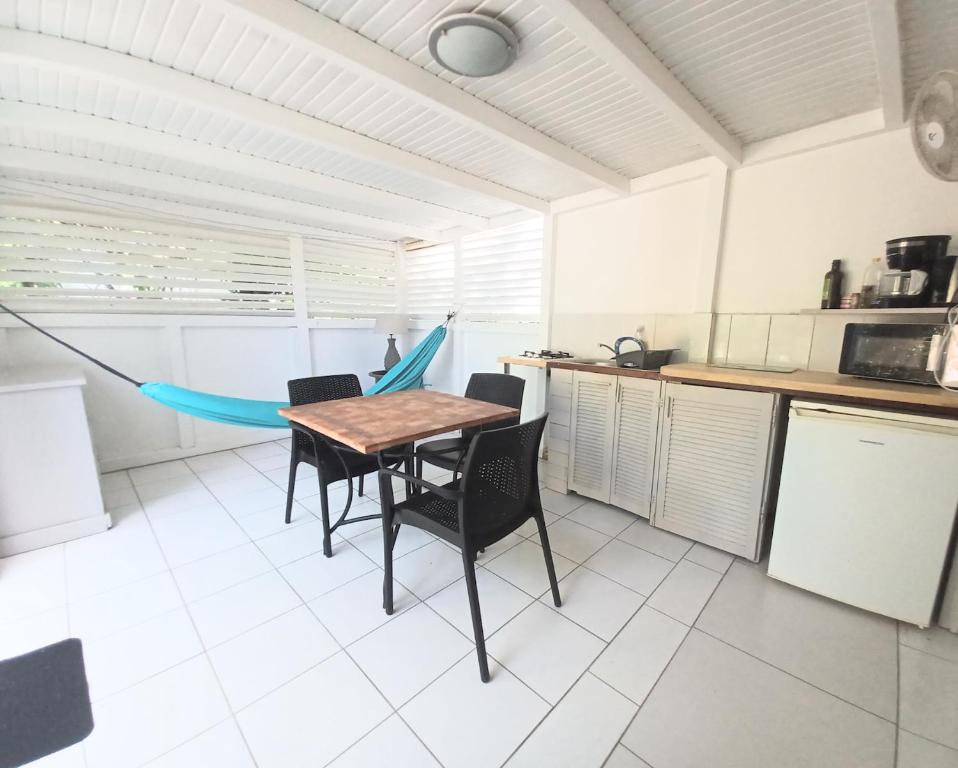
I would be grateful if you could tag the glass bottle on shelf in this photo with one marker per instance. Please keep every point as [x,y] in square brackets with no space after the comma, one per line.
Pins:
[870,281]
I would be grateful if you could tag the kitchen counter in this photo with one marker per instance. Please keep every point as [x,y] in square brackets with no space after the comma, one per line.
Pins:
[830,386]
[821,384]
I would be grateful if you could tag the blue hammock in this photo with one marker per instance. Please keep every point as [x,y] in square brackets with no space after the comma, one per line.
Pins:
[406,374]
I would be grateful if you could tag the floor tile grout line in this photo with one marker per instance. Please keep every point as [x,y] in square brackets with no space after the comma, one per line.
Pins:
[794,676]
[588,669]
[897,688]
[672,655]
[209,661]
[342,650]
[929,739]
[927,653]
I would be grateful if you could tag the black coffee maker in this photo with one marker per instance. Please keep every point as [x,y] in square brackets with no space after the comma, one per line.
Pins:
[920,272]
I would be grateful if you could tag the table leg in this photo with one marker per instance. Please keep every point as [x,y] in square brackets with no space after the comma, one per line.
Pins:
[385,501]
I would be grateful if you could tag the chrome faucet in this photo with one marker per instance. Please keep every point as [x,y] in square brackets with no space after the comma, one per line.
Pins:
[618,344]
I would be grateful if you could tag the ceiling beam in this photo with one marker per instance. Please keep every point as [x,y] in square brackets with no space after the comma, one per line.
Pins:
[59,166]
[299,25]
[884,21]
[601,30]
[115,133]
[46,51]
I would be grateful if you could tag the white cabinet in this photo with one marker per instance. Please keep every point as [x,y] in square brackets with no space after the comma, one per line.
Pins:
[590,438]
[633,447]
[614,421]
[715,453]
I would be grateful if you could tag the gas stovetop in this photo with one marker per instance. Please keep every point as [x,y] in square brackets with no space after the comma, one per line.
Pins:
[546,354]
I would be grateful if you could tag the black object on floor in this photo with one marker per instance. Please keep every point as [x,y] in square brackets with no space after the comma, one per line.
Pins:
[44,703]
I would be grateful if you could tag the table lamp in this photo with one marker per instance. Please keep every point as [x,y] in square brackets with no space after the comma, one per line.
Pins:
[391,325]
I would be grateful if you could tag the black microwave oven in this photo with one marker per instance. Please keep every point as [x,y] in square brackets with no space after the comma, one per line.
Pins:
[892,351]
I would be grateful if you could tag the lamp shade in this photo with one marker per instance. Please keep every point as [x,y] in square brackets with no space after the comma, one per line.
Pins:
[391,324]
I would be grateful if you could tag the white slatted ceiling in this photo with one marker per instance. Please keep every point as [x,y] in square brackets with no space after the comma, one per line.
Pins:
[929,31]
[32,138]
[71,261]
[430,280]
[349,279]
[767,68]
[201,41]
[502,272]
[557,85]
[102,99]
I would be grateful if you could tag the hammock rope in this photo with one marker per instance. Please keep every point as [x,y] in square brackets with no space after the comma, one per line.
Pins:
[406,374]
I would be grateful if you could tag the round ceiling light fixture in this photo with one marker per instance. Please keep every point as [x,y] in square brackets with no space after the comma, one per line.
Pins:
[473,45]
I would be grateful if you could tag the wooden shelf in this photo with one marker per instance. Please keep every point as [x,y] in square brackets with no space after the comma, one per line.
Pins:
[896,311]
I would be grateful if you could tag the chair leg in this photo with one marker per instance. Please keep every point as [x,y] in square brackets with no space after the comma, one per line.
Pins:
[324,508]
[408,469]
[468,564]
[547,552]
[291,486]
[361,478]
[387,568]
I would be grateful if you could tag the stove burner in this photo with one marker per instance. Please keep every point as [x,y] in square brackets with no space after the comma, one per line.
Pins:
[546,354]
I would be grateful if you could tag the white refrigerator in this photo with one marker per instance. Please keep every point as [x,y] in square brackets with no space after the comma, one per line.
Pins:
[866,507]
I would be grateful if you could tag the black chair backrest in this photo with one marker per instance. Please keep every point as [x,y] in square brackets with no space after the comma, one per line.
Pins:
[500,480]
[498,388]
[319,389]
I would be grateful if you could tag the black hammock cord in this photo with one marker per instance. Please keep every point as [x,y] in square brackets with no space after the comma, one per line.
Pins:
[81,353]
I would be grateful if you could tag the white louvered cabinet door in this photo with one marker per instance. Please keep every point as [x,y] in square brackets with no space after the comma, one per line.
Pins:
[714,450]
[592,421]
[633,449]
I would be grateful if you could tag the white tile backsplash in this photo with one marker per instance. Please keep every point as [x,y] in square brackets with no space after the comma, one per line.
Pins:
[748,339]
[790,340]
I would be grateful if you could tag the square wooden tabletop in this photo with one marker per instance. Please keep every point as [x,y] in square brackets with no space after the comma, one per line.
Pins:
[377,422]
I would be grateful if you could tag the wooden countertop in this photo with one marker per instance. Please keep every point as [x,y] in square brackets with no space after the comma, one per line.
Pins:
[818,383]
[532,362]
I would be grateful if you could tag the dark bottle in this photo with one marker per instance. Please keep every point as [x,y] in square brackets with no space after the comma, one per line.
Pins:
[832,287]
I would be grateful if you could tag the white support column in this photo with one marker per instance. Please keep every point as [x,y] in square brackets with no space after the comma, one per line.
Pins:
[174,338]
[402,302]
[303,354]
[549,223]
[710,249]
[458,326]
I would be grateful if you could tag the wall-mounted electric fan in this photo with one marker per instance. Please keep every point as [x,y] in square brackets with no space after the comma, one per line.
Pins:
[934,125]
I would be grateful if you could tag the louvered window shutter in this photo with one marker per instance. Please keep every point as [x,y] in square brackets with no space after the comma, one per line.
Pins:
[502,273]
[74,262]
[633,451]
[712,465]
[430,280]
[592,421]
[346,279]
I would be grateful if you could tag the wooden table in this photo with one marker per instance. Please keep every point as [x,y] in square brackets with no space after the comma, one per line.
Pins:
[377,422]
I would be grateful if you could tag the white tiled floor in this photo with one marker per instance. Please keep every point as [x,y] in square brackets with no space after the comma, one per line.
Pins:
[216,635]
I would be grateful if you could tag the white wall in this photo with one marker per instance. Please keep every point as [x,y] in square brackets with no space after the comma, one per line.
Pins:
[632,265]
[637,254]
[632,262]
[787,219]
[238,356]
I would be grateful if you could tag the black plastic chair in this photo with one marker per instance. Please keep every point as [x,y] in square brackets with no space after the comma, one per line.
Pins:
[498,492]
[498,388]
[333,460]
